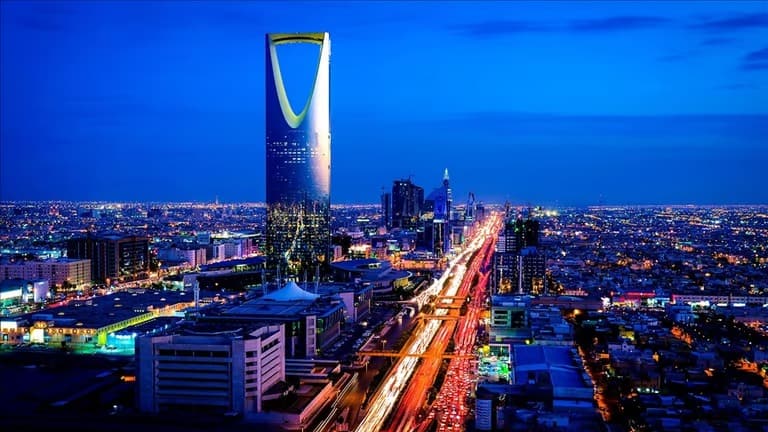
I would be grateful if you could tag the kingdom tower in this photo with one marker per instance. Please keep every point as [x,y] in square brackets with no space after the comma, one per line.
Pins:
[298,163]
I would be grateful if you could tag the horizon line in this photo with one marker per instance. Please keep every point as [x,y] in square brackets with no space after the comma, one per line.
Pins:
[374,204]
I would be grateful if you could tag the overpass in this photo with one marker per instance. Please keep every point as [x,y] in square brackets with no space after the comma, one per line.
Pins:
[422,355]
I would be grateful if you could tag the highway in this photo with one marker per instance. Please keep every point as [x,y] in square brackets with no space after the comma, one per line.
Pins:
[450,408]
[391,388]
[406,415]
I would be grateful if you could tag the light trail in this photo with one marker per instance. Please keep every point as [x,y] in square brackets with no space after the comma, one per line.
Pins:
[383,401]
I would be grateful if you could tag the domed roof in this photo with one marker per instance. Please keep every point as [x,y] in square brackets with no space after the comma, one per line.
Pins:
[290,292]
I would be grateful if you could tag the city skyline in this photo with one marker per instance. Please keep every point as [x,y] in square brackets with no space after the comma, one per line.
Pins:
[548,103]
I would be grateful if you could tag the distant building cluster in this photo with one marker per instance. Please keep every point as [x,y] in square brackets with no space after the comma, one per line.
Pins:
[643,318]
[194,251]
[434,224]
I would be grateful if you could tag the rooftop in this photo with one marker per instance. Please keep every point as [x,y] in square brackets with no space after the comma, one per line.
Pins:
[290,292]
[288,301]
[556,360]
[101,311]
[370,269]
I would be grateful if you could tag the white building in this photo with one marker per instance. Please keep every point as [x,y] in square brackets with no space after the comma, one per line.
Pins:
[233,249]
[216,252]
[76,272]
[222,371]
[194,256]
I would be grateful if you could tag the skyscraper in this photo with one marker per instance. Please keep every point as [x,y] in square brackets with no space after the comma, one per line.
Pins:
[386,209]
[407,203]
[298,163]
[438,207]
[519,266]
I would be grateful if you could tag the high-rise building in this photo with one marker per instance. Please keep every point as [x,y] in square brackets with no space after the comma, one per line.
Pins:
[519,234]
[519,266]
[386,209]
[114,258]
[438,208]
[407,204]
[528,271]
[298,163]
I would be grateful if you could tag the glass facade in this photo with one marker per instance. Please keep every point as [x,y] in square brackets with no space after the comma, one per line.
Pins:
[298,164]
[407,202]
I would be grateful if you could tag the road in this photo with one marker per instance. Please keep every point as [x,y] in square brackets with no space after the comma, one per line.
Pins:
[412,401]
[383,401]
[406,416]
[354,399]
[450,408]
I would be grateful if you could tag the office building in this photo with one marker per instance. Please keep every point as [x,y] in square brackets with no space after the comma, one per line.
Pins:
[209,371]
[356,297]
[528,274]
[518,234]
[386,209]
[114,258]
[298,164]
[437,219]
[192,255]
[312,322]
[519,266]
[407,203]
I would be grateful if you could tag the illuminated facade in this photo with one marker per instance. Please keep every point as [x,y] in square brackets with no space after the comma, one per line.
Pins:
[518,265]
[407,203]
[75,272]
[114,257]
[437,219]
[298,163]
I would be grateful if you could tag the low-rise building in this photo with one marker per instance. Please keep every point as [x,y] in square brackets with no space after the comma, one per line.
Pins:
[380,274]
[90,322]
[312,322]
[18,291]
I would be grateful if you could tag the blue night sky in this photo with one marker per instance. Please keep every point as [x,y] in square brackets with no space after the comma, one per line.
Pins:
[545,103]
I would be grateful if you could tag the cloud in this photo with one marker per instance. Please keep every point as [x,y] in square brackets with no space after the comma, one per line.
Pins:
[45,17]
[618,23]
[717,41]
[608,24]
[756,56]
[501,28]
[755,60]
[744,21]
[755,66]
